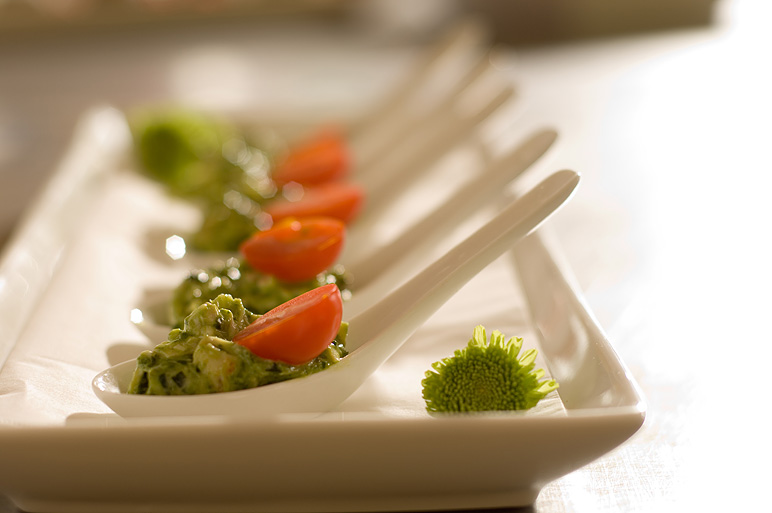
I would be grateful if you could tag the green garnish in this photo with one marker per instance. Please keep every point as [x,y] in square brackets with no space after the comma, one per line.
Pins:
[486,376]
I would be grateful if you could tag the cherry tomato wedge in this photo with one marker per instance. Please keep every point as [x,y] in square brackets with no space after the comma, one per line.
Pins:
[340,200]
[322,159]
[297,331]
[296,249]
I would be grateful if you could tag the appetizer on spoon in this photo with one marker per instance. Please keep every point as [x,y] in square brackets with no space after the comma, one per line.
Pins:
[373,335]
[262,289]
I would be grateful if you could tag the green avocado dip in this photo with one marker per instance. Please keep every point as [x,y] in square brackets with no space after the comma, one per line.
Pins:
[224,226]
[211,163]
[200,358]
[259,292]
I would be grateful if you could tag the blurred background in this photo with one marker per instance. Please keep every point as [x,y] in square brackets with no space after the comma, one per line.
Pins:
[59,57]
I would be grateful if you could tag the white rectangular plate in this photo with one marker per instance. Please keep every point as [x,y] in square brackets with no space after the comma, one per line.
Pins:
[90,250]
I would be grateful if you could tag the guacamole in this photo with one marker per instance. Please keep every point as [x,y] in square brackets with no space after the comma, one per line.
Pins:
[211,163]
[259,292]
[181,149]
[200,358]
[223,227]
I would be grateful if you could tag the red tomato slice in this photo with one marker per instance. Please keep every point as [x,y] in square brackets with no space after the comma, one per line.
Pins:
[336,199]
[297,331]
[296,249]
[323,159]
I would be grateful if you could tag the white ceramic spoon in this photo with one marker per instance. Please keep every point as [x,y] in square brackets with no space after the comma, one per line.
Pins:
[452,124]
[404,133]
[426,143]
[385,122]
[374,335]
[370,263]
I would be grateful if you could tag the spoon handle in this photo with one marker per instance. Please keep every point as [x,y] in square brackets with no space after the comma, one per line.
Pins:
[423,146]
[402,311]
[467,34]
[458,207]
[398,132]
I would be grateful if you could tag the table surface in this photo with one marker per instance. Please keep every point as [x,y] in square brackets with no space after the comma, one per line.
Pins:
[670,132]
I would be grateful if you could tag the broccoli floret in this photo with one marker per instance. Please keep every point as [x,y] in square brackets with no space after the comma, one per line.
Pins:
[485,377]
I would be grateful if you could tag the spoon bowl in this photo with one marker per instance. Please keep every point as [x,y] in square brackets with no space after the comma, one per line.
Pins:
[374,334]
